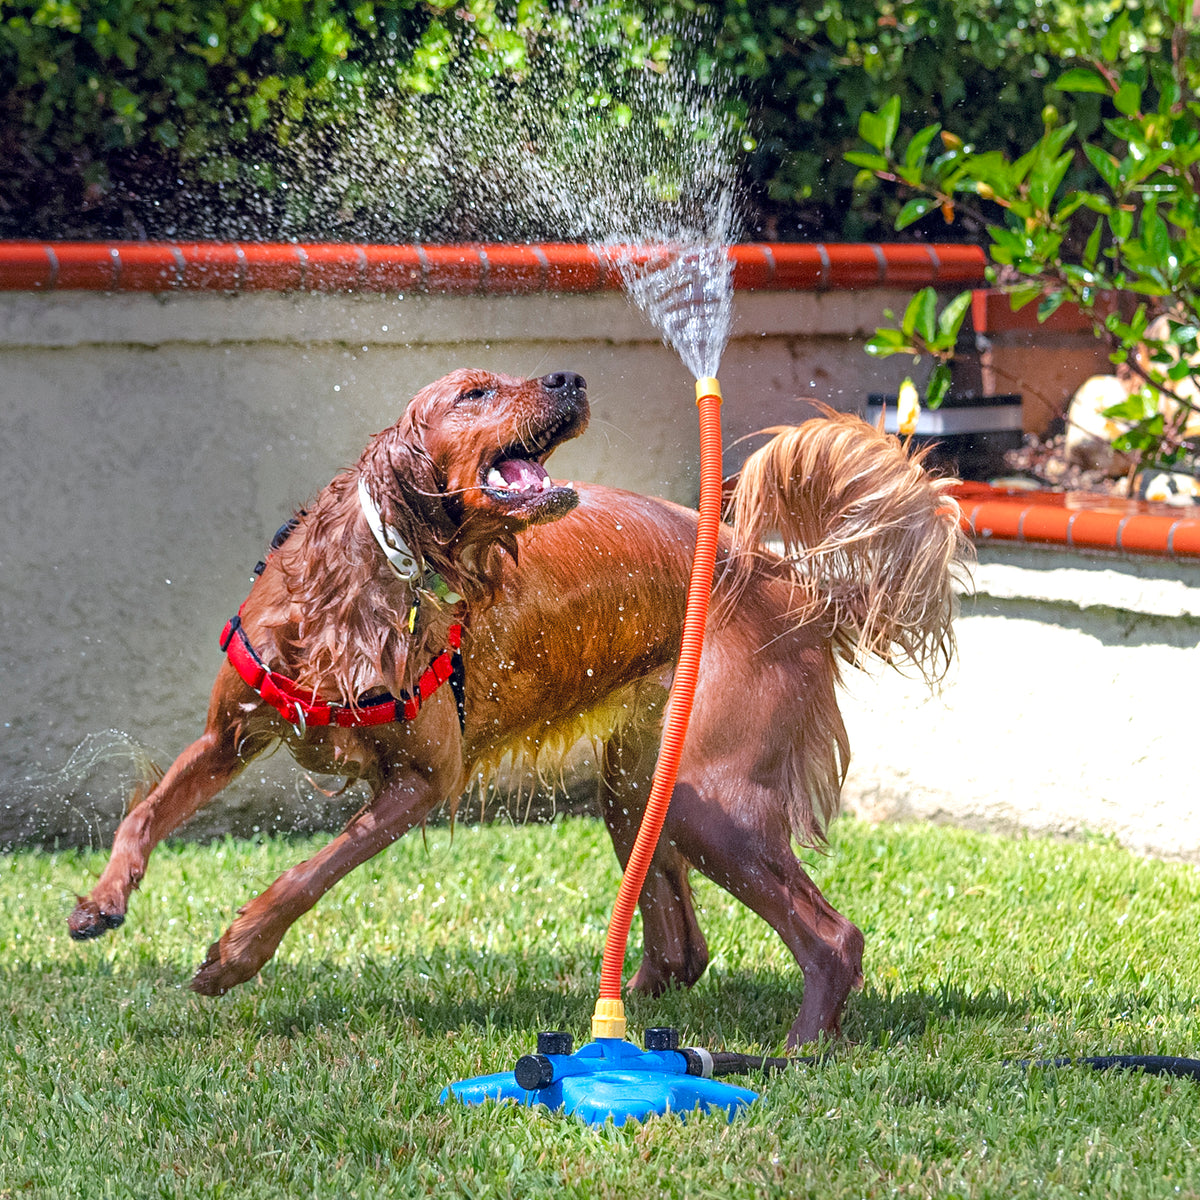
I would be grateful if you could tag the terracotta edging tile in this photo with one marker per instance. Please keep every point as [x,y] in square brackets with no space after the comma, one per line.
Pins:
[991,519]
[1094,530]
[271,268]
[333,268]
[148,266]
[1079,521]
[513,270]
[456,269]
[453,269]
[800,267]
[393,268]
[571,267]
[86,266]
[27,266]
[213,266]
[960,265]
[1142,534]
[1184,538]
[856,266]
[908,266]
[1040,523]
[753,267]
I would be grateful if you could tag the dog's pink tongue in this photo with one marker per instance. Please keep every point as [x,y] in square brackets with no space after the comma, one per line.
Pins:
[522,475]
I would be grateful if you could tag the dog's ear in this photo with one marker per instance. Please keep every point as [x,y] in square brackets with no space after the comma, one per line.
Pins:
[405,483]
[420,487]
[410,489]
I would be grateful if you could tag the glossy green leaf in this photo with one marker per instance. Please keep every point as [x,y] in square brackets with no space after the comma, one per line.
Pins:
[920,317]
[918,148]
[939,385]
[1049,305]
[1128,98]
[890,113]
[887,342]
[1106,165]
[1121,223]
[879,129]
[914,210]
[951,318]
[1082,79]
[1045,180]
[1110,44]
[1019,297]
[870,162]
[1138,407]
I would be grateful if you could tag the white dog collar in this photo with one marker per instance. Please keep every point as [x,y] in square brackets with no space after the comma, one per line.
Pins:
[401,559]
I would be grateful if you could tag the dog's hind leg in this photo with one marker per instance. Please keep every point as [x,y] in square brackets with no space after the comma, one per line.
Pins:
[404,800]
[193,779]
[750,855]
[674,950]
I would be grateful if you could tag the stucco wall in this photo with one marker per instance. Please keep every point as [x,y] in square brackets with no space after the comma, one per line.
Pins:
[150,444]
[1067,711]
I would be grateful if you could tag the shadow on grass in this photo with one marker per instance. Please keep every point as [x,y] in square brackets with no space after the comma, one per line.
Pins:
[884,1016]
[455,991]
[460,990]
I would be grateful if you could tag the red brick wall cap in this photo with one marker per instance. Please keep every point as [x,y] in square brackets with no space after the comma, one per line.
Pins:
[474,269]
[1081,520]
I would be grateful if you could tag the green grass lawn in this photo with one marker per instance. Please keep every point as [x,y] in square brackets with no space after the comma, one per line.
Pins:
[442,959]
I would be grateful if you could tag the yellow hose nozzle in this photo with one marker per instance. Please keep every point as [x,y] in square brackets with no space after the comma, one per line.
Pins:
[608,1021]
[708,387]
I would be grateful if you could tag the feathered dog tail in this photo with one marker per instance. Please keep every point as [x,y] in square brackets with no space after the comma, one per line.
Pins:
[872,534]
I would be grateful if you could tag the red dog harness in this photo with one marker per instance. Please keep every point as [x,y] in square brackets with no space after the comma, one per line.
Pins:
[304,709]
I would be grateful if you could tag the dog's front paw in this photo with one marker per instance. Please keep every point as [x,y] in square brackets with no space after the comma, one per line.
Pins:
[232,960]
[215,976]
[89,920]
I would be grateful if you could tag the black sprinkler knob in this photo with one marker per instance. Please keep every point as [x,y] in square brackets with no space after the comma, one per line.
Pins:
[662,1037]
[555,1041]
[533,1071]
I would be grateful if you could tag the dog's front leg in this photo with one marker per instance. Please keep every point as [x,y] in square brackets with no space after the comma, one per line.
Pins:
[404,800]
[194,778]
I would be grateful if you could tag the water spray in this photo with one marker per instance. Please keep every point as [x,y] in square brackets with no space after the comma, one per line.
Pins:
[673,182]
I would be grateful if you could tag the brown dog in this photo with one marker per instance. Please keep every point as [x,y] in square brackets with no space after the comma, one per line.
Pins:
[569,603]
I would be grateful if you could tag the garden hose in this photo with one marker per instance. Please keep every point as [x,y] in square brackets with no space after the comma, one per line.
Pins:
[609,1018]
[730,1063]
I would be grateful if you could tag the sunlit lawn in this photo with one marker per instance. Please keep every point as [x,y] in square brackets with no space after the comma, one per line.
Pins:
[442,959]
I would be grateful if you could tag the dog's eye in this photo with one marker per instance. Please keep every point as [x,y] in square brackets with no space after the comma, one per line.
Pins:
[473,394]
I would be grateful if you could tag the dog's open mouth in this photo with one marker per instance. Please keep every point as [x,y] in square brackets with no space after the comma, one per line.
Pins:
[520,475]
[517,478]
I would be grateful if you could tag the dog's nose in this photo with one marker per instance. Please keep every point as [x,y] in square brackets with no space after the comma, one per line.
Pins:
[564,381]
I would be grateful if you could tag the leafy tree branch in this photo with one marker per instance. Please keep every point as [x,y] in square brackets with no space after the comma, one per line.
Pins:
[1073,220]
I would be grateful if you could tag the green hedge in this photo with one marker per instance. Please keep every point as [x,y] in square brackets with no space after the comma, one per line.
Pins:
[139,118]
[105,102]
[981,67]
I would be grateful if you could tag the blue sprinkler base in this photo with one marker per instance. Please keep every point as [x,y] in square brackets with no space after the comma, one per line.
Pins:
[606,1078]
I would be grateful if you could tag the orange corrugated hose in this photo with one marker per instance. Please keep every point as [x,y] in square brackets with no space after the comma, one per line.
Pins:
[609,1018]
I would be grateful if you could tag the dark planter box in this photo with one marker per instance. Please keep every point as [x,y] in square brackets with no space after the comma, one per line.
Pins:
[967,435]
